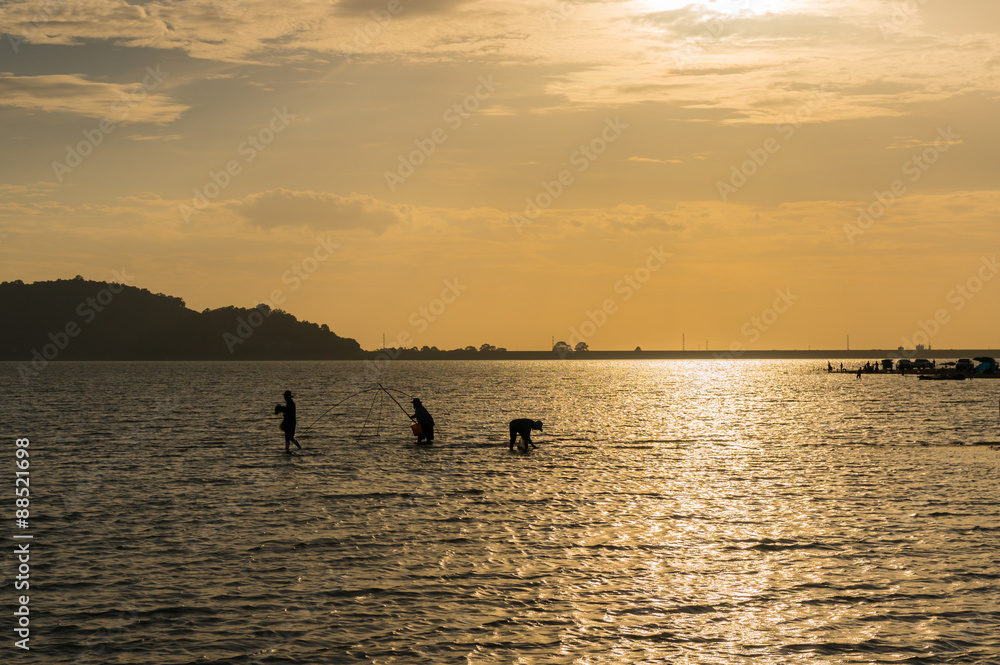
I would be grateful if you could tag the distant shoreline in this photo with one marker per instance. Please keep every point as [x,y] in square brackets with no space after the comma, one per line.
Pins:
[389,355]
[405,354]
[83,320]
[776,354]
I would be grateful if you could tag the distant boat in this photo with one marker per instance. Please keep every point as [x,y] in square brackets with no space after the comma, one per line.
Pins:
[986,365]
[942,377]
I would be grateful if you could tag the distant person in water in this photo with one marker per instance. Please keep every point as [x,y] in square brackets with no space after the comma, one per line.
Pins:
[422,416]
[288,421]
[523,426]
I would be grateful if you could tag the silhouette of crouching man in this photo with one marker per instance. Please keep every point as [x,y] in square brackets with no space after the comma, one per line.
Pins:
[523,426]
[422,416]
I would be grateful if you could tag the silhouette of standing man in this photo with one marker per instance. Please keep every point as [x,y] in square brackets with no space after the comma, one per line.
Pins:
[288,421]
[523,426]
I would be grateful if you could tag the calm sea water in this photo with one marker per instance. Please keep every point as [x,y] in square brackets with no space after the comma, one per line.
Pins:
[683,512]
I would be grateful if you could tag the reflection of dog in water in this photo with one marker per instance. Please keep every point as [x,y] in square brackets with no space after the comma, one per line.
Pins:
[523,426]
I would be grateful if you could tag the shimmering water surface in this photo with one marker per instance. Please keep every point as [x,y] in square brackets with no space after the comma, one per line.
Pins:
[683,512]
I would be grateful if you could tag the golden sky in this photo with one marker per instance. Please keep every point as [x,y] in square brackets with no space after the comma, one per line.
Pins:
[758,173]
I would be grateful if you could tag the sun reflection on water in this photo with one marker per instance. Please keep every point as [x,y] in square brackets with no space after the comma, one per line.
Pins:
[702,511]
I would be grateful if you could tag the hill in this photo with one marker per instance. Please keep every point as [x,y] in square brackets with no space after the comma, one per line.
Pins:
[79,319]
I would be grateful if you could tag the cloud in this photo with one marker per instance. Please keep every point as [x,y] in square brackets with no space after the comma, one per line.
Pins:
[74,93]
[734,70]
[244,31]
[881,87]
[45,21]
[729,61]
[370,8]
[224,30]
[35,190]
[639,218]
[154,137]
[320,210]
[700,22]
[650,160]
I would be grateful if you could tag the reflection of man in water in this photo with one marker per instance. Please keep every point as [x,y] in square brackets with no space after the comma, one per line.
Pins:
[288,421]
[523,426]
[422,416]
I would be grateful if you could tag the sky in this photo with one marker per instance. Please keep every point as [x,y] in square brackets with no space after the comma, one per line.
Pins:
[746,174]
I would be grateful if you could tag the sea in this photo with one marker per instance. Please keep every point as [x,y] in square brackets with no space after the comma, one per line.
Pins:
[728,511]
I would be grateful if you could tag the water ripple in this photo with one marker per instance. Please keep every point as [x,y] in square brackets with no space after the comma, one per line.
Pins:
[694,512]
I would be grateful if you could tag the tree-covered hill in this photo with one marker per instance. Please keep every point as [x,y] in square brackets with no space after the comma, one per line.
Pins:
[79,319]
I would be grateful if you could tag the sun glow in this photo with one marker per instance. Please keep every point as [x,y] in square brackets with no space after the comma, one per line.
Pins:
[727,7]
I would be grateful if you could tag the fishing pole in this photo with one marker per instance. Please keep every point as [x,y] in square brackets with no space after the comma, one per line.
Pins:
[366,390]
[401,392]
[396,401]
[376,396]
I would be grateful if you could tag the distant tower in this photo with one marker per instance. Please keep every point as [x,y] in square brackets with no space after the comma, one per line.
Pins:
[682,341]
[848,342]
